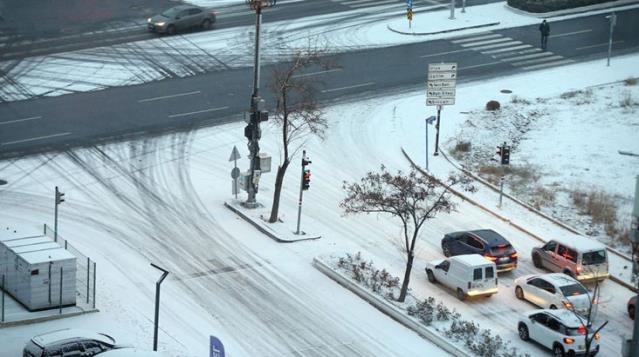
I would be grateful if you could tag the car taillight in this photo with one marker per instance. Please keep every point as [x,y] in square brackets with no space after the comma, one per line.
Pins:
[567,305]
[578,269]
[597,336]
[568,340]
[581,330]
[514,255]
[491,258]
[595,301]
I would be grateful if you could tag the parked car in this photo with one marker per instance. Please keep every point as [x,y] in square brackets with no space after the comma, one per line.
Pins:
[131,352]
[468,275]
[180,18]
[559,330]
[69,342]
[486,242]
[582,259]
[631,306]
[555,291]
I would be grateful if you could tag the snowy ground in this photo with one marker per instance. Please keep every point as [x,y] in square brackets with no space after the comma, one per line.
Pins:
[161,200]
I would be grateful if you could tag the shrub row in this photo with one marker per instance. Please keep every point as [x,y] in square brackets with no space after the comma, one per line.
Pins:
[551,5]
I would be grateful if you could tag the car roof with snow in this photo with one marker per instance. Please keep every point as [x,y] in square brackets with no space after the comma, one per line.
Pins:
[581,243]
[557,279]
[67,334]
[471,259]
[566,317]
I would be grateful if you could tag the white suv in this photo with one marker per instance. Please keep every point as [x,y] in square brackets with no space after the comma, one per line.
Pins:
[555,291]
[559,330]
[69,342]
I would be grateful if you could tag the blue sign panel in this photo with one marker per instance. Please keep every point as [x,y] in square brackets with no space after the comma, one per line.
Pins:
[216,348]
[409,3]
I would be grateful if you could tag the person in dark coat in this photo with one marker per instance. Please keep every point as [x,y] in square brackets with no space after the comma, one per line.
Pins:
[544,28]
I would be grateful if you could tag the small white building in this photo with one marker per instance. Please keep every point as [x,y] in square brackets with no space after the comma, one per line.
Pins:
[32,267]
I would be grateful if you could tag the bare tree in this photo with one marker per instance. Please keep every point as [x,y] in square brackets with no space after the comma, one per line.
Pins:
[413,198]
[588,318]
[297,113]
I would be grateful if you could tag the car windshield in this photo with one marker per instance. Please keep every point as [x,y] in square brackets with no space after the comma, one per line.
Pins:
[573,290]
[171,13]
[501,249]
[596,257]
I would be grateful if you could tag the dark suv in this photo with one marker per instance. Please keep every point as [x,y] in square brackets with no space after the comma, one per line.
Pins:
[486,242]
[69,342]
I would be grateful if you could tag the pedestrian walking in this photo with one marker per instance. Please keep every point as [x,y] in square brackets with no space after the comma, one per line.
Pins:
[544,28]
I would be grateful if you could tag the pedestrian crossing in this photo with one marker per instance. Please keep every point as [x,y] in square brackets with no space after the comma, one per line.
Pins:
[356,4]
[507,50]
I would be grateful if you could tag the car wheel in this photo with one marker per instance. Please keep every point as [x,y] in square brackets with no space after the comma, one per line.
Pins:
[523,332]
[170,30]
[537,261]
[552,307]
[558,350]
[519,293]
[460,294]
[206,24]
[631,311]
[446,249]
[431,276]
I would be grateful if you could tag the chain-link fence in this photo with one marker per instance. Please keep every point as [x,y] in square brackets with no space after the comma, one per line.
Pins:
[85,271]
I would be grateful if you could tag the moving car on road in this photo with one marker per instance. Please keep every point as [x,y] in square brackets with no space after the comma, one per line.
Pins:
[180,18]
[69,342]
[582,259]
[559,330]
[486,242]
[467,275]
[555,291]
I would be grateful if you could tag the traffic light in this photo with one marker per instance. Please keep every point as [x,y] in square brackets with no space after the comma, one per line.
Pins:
[499,151]
[306,183]
[248,131]
[259,116]
[59,196]
[505,157]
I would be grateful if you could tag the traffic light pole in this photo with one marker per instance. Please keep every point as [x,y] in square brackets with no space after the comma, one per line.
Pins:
[58,199]
[299,204]
[439,110]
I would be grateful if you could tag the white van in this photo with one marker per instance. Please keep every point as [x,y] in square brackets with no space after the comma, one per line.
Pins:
[468,275]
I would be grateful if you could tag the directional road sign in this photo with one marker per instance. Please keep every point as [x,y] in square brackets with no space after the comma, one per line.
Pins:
[438,101]
[441,75]
[442,84]
[442,67]
[446,93]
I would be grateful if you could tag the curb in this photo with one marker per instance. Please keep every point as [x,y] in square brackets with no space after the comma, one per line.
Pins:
[44,318]
[573,11]
[392,311]
[265,229]
[443,31]
[515,225]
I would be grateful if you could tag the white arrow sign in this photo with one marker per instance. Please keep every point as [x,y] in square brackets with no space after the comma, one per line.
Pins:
[449,83]
[446,93]
[440,101]
[441,75]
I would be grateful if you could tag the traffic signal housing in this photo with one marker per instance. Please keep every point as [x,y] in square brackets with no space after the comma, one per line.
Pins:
[505,155]
[59,196]
[306,181]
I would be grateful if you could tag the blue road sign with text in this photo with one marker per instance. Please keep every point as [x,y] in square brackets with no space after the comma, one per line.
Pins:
[216,347]
[409,3]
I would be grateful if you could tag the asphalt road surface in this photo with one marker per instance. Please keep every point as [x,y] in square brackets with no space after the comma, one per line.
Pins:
[220,96]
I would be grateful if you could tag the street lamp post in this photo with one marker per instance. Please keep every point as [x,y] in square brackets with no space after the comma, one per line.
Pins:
[157,305]
[252,130]
[613,21]
[634,238]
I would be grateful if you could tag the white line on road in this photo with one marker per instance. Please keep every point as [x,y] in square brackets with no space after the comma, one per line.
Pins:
[543,59]
[349,87]
[506,49]
[36,138]
[479,43]
[168,96]
[19,120]
[527,56]
[598,45]
[196,112]
[480,65]
[485,37]
[570,33]
[316,73]
[551,64]
[446,53]
[497,45]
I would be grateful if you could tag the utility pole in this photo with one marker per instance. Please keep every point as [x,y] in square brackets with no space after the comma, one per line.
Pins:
[439,112]
[452,10]
[157,305]
[305,183]
[428,121]
[634,238]
[252,130]
[59,198]
[613,21]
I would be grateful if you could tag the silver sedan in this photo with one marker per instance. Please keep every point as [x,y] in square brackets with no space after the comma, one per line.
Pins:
[554,291]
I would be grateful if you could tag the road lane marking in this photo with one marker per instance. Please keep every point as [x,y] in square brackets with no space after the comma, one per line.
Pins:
[543,59]
[549,64]
[197,112]
[506,49]
[316,73]
[480,65]
[476,38]
[168,96]
[527,56]
[19,120]
[598,45]
[349,87]
[479,43]
[570,33]
[502,44]
[36,138]
[446,53]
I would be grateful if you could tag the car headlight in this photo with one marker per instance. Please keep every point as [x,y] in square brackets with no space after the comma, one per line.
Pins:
[148,20]
[160,24]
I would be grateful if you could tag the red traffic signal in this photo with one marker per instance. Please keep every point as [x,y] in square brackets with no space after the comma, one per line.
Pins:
[306,181]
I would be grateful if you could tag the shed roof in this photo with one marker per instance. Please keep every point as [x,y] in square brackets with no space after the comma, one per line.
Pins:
[36,249]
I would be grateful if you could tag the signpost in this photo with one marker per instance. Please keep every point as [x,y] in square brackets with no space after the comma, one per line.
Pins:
[440,90]
[409,12]
[216,348]
[429,121]
[235,172]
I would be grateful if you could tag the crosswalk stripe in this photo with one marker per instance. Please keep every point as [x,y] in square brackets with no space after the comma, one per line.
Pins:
[549,64]
[506,49]
[374,3]
[534,55]
[473,44]
[496,45]
[515,53]
[476,38]
[545,59]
